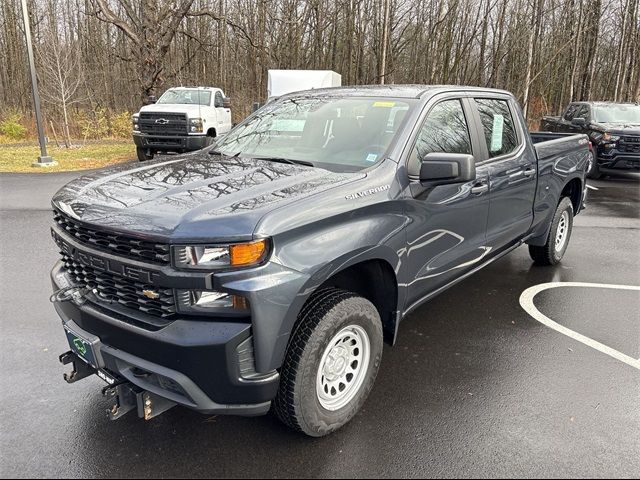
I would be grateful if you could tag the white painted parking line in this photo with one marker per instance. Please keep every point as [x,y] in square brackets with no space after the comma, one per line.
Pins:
[590,187]
[526,301]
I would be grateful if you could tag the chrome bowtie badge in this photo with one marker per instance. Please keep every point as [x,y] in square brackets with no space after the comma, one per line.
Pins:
[151,294]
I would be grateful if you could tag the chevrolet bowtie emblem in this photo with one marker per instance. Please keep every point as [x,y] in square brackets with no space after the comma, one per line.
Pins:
[151,294]
[162,121]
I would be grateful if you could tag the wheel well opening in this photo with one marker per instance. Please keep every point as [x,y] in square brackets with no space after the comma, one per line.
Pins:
[211,132]
[376,281]
[573,191]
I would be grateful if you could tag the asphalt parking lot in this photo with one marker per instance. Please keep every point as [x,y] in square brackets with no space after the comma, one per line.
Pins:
[475,386]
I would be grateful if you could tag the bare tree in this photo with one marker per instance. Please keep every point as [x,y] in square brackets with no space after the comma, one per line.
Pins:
[151,27]
[60,75]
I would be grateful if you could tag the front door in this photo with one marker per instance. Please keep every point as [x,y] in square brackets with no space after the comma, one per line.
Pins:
[446,223]
[223,114]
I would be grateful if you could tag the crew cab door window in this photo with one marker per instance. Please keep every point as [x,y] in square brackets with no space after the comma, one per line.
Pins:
[445,130]
[498,125]
[583,112]
[571,111]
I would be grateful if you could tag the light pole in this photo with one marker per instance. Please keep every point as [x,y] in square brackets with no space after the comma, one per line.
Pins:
[44,160]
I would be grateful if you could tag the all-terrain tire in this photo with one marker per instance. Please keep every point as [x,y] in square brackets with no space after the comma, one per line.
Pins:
[142,154]
[594,169]
[328,313]
[552,251]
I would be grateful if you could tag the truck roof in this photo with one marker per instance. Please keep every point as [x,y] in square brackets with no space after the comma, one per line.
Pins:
[193,88]
[604,103]
[401,91]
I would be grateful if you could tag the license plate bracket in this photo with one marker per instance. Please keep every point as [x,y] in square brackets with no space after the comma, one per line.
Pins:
[83,347]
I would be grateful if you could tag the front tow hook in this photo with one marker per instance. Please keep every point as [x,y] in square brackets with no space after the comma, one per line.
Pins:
[80,369]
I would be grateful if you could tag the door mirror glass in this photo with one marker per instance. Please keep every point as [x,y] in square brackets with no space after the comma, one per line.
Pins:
[446,168]
[226,102]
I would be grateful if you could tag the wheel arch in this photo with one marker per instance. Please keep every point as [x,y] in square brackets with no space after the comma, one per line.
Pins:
[375,280]
[572,189]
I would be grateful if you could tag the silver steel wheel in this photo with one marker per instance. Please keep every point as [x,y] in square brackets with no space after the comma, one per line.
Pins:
[343,367]
[562,232]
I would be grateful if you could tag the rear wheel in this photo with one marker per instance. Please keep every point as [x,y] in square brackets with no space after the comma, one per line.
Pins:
[331,363]
[143,155]
[553,250]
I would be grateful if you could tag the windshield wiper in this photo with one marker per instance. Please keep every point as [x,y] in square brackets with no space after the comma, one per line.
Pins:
[285,160]
[216,152]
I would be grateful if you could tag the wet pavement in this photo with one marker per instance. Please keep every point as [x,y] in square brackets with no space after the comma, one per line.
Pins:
[474,387]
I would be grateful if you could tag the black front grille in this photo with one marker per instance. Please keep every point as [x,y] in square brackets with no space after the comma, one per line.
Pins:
[158,123]
[116,289]
[629,144]
[114,243]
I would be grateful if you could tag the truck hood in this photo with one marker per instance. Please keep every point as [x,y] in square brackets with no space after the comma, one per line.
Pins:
[619,128]
[191,197]
[192,111]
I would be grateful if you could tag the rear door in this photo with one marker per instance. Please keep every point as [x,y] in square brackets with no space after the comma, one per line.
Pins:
[512,168]
[446,224]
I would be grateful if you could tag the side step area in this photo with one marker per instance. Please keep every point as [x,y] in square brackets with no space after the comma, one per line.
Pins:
[126,395]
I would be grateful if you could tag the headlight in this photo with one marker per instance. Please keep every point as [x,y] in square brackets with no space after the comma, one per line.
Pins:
[209,301]
[607,137]
[196,125]
[205,257]
[134,121]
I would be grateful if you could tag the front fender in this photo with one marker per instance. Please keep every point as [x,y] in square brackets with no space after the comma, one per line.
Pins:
[303,260]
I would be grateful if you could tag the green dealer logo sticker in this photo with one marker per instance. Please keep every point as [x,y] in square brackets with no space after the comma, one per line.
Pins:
[80,346]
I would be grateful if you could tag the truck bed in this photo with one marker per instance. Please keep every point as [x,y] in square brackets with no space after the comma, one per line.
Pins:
[550,144]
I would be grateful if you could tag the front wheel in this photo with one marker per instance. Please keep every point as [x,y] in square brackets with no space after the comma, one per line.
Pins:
[143,155]
[331,363]
[551,253]
[593,170]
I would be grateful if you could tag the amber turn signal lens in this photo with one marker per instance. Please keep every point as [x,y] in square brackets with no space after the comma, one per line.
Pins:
[247,253]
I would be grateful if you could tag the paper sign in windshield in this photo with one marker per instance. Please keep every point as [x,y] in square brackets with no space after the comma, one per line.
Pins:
[496,132]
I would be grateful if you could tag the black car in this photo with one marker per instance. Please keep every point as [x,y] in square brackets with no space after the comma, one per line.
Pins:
[614,130]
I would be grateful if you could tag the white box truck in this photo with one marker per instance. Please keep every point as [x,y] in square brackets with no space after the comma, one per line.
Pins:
[281,82]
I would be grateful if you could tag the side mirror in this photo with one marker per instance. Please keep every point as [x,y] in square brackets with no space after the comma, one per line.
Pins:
[226,102]
[152,99]
[579,122]
[446,168]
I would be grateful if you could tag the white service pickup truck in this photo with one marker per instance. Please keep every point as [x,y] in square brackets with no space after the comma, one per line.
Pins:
[183,119]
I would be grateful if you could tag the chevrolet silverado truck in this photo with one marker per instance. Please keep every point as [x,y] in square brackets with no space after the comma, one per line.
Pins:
[613,128]
[266,271]
[183,119]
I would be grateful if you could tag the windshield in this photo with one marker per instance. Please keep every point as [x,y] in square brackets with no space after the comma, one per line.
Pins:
[617,113]
[185,97]
[346,132]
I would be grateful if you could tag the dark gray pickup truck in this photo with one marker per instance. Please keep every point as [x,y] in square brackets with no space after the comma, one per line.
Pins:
[265,271]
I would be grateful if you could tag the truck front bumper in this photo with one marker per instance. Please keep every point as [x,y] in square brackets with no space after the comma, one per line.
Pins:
[615,159]
[158,143]
[194,363]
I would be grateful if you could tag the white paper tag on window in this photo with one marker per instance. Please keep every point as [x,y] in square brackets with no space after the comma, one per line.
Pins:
[496,132]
